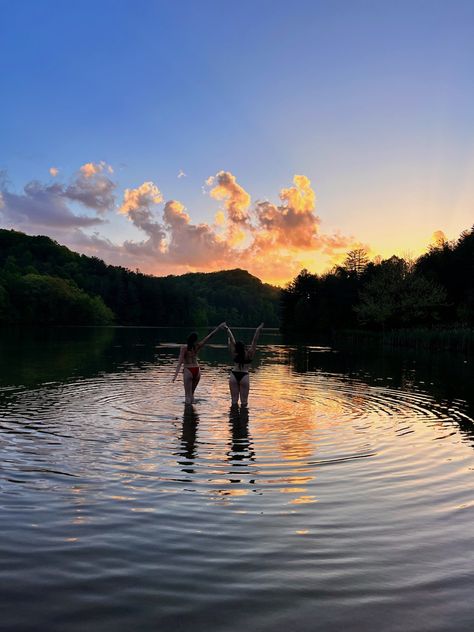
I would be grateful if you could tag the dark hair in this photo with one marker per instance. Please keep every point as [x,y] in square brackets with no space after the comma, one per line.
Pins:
[241,356]
[192,338]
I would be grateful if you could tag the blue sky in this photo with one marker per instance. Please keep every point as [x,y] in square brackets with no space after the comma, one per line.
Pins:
[372,101]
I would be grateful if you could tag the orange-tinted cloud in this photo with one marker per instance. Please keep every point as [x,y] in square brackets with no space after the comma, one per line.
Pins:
[294,224]
[90,169]
[93,168]
[138,205]
[236,199]
[273,241]
[140,198]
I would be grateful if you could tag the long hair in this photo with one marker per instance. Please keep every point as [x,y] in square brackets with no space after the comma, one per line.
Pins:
[192,339]
[240,357]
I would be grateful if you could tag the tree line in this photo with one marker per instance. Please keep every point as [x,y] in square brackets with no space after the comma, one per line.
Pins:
[437,289]
[44,283]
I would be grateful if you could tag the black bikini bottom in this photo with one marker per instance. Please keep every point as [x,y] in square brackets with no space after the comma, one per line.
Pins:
[239,375]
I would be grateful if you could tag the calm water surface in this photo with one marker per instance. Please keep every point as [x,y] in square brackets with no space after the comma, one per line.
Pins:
[343,499]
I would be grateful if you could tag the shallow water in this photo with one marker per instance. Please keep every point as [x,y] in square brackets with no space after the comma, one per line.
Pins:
[343,499]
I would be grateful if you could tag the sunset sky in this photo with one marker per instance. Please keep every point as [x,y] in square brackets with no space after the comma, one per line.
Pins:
[272,135]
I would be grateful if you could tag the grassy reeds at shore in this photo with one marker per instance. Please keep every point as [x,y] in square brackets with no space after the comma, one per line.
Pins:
[458,339]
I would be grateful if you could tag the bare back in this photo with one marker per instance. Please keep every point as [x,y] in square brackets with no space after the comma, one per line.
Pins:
[244,368]
[190,357]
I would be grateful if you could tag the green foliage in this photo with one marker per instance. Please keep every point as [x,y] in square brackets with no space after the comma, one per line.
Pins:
[133,298]
[436,290]
[45,300]
[397,296]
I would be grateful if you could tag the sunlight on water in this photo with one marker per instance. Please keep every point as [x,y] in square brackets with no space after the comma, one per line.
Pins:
[341,499]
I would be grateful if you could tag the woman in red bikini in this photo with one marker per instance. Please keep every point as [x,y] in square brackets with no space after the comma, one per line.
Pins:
[239,384]
[188,358]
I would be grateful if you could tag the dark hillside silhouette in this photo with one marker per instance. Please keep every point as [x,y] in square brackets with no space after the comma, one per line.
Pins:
[436,290]
[42,282]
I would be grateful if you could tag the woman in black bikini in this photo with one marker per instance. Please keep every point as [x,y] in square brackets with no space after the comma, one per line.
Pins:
[239,376]
[188,358]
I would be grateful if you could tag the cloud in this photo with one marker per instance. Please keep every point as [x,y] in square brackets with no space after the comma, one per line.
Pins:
[137,206]
[236,199]
[47,208]
[90,169]
[272,240]
[236,219]
[219,218]
[93,188]
[293,225]
[294,222]
[175,214]
[42,206]
[140,198]
[175,240]
[190,244]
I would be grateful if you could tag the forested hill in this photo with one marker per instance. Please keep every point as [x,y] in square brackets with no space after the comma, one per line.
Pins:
[42,282]
[434,291]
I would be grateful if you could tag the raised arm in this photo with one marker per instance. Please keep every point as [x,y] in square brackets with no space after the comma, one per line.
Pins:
[253,346]
[202,342]
[180,362]
[230,340]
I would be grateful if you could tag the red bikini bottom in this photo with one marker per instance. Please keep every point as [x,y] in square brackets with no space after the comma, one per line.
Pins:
[194,371]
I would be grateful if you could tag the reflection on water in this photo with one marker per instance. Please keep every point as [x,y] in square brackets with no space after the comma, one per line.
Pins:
[341,499]
[188,437]
[240,446]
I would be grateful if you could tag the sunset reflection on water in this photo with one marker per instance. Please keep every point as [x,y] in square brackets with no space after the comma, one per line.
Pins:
[341,472]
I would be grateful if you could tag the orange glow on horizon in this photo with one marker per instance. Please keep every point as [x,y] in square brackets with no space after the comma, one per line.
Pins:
[282,267]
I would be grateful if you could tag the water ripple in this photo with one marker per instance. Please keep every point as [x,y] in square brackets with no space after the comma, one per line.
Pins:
[333,494]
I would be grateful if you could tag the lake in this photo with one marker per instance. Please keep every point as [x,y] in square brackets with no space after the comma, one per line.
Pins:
[342,499]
